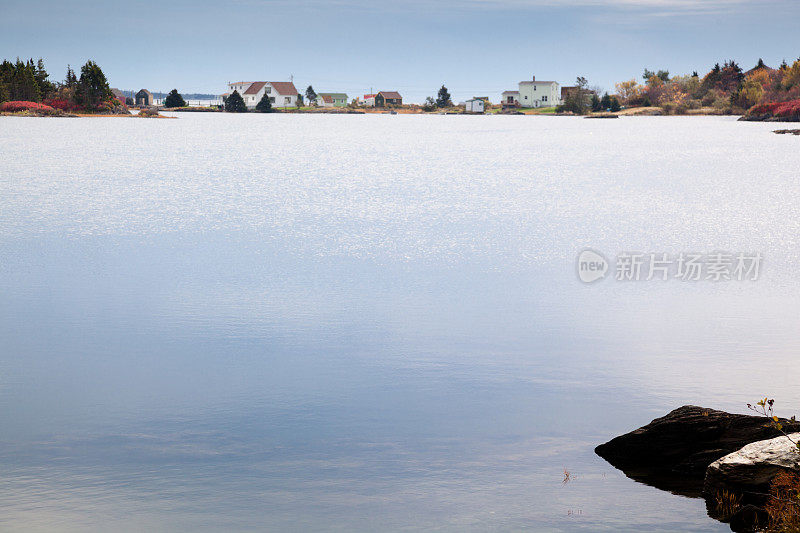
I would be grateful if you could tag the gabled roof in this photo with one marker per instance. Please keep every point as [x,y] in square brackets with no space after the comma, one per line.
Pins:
[255,87]
[334,95]
[536,82]
[369,96]
[117,93]
[328,99]
[510,92]
[145,91]
[285,88]
[390,94]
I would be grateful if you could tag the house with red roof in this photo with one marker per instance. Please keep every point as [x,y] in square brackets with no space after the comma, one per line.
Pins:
[281,93]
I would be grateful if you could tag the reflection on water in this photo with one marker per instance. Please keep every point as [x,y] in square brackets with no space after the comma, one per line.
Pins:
[205,329]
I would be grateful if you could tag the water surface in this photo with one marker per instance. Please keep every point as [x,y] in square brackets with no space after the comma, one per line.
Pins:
[373,322]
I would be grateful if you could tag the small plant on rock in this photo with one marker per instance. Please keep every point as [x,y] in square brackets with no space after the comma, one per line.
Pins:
[765,408]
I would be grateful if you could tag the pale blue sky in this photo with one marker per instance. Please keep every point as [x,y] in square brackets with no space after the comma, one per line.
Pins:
[475,47]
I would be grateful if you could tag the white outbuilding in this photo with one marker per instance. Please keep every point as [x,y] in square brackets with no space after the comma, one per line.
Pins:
[475,105]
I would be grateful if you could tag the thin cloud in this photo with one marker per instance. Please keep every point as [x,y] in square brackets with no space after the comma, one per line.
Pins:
[618,12]
[643,7]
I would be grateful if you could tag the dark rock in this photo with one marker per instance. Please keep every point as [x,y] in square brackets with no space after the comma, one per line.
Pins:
[673,452]
[768,118]
[789,132]
[748,518]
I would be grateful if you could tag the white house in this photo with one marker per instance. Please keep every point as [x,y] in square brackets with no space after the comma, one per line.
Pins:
[281,93]
[510,98]
[534,94]
[475,105]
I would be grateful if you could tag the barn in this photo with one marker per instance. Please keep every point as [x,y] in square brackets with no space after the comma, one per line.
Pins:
[144,98]
[387,98]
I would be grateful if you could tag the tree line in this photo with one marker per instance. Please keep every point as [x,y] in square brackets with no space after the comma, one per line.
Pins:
[580,99]
[28,81]
[726,88]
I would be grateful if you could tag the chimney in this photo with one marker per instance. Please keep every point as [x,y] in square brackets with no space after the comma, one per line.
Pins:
[533,78]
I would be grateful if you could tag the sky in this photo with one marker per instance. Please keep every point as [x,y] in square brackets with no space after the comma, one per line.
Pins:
[474,47]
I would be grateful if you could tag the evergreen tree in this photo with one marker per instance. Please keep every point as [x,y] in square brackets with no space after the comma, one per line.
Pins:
[23,83]
[264,105]
[614,104]
[311,96]
[443,98]
[596,105]
[235,103]
[605,102]
[6,76]
[713,77]
[174,99]
[429,105]
[45,86]
[93,87]
[71,80]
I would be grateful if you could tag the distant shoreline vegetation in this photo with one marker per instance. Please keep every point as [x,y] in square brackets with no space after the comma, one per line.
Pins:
[726,89]
[761,93]
[25,87]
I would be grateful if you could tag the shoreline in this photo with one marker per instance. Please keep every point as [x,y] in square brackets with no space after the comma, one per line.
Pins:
[630,112]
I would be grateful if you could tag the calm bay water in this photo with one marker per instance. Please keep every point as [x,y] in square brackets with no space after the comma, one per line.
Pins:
[308,322]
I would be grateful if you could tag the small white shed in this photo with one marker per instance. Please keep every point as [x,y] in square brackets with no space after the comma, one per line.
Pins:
[476,105]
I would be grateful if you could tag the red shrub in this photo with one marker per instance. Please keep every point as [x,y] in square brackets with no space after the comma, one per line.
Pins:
[790,109]
[24,106]
[763,109]
[62,104]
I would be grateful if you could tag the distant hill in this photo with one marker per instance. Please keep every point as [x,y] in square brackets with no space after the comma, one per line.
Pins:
[186,96]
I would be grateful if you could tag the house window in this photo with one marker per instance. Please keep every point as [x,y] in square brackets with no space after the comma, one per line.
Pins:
[544,98]
[526,97]
[268,90]
[287,100]
[534,87]
[272,99]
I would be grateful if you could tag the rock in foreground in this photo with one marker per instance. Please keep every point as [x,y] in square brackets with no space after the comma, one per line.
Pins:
[751,468]
[687,440]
